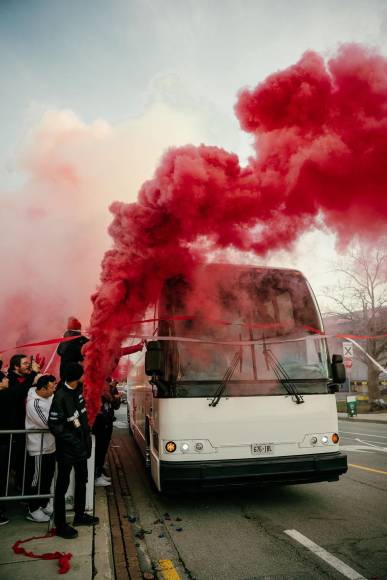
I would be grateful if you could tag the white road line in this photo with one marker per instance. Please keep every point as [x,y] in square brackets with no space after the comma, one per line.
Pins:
[356,448]
[372,445]
[346,438]
[363,434]
[345,570]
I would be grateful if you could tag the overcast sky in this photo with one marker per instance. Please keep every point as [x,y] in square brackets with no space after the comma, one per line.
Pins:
[122,60]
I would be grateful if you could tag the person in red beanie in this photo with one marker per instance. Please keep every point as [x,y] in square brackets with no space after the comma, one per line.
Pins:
[71,351]
[73,324]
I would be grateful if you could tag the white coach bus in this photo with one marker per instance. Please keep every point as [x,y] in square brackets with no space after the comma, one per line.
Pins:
[236,386]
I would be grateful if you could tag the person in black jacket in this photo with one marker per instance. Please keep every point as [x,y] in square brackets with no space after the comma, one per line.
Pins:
[68,423]
[22,373]
[71,350]
[103,430]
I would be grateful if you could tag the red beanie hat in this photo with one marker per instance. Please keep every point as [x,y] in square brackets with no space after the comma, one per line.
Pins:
[73,324]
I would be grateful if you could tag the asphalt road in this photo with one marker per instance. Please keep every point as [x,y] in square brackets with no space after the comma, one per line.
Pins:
[269,533]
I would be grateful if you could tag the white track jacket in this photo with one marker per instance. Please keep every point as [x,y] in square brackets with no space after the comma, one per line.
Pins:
[37,411]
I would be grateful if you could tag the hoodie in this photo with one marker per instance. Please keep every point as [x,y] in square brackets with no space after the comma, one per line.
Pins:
[37,412]
[71,351]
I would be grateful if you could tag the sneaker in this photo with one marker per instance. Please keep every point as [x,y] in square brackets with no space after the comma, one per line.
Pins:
[85,520]
[66,532]
[101,482]
[105,473]
[104,476]
[48,510]
[38,516]
[3,519]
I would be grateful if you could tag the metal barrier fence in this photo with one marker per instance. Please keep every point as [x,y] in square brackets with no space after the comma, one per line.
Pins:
[13,452]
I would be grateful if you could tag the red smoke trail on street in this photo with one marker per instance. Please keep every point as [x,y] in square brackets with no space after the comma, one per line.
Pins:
[320,135]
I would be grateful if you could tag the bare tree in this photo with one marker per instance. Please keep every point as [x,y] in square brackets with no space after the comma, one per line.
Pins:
[360,297]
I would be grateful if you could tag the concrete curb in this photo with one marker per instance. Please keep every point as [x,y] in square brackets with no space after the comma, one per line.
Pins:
[357,420]
[103,565]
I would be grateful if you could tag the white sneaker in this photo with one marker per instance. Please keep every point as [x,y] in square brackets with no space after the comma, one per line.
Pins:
[107,477]
[101,482]
[49,509]
[38,516]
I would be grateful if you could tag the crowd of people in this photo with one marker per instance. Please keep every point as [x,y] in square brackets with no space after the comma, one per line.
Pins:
[33,400]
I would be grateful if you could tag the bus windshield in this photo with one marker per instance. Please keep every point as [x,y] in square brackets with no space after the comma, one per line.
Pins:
[267,316]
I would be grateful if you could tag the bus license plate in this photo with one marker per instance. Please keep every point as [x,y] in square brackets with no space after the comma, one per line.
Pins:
[262,448]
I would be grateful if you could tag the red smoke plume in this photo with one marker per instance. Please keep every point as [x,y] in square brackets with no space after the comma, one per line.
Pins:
[320,133]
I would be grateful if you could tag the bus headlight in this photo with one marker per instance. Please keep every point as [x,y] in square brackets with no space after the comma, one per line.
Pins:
[179,446]
[170,446]
[319,440]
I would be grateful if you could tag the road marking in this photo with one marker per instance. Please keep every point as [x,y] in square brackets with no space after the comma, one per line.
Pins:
[372,445]
[367,468]
[168,570]
[364,434]
[356,448]
[326,556]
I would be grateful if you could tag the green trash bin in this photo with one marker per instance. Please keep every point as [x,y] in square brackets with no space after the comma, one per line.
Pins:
[351,406]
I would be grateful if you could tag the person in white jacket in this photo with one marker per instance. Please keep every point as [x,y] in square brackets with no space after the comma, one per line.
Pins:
[40,447]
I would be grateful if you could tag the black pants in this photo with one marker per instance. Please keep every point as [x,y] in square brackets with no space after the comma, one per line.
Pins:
[40,471]
[62,483]
[102,429]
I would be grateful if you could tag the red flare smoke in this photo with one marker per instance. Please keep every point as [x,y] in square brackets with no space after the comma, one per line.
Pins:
[320,133]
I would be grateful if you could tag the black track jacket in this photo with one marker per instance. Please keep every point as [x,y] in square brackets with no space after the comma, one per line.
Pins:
[67,421]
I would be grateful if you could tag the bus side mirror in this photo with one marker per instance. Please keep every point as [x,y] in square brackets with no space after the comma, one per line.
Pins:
[338,369]
[154,358]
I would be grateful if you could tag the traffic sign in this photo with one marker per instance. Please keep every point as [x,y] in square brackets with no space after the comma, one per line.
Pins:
[348,363]
[347,350]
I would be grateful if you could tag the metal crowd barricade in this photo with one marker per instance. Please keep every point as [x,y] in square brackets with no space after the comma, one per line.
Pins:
[13,464]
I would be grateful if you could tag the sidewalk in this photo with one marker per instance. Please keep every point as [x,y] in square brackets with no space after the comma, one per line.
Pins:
[380,418]
[92,549]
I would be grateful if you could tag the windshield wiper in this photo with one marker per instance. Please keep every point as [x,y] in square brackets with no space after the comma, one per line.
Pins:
[237,359]
[281,374]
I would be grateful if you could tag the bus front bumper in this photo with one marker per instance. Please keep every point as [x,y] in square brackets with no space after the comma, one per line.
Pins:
[242,472]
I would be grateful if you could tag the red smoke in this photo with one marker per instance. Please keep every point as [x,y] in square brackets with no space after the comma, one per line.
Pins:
[320,132]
